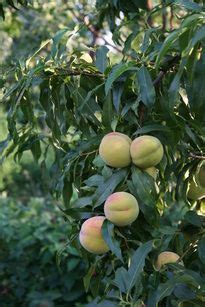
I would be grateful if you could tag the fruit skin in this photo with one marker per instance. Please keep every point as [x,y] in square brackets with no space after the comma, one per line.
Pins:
[166,257]
[146,151]
[91,235]
[115,149]
[195,192]
[86,57]
[200,175]
[152,171]
[121,208]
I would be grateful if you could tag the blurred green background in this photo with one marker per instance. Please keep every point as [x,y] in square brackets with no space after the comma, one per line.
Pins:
[37,268]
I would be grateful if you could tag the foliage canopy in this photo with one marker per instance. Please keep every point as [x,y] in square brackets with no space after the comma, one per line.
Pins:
[148,80]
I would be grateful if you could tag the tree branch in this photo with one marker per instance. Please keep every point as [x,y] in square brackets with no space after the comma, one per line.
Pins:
[150,7]
[196,156]
[164,16]
[68,72]
[171,18]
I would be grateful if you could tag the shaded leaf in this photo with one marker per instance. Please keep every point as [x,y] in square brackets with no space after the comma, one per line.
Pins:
[146,88]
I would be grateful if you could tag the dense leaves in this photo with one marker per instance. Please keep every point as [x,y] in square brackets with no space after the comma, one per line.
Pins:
[31,235]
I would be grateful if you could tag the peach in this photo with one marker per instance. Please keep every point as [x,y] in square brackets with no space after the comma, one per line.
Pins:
[166,257]
[146,151]
[121,208]
[91,235]
[195,191]
[115,149]
[152,171]
[200,175]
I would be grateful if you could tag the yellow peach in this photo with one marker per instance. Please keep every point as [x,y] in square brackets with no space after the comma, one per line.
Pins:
[146,151]
[200,175]
[166,257]
[115,149]
[91,235]
[195,191]
[121,208]
[152,171]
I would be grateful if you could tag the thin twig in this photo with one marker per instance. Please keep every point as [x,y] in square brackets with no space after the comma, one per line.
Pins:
[196,156]
[88,153]
[69,72]
[96,34]
[164,16]
[171,19]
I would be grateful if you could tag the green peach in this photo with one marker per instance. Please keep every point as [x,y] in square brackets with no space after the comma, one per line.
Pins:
[195,191]
[91,235]
[166,257]
[152,171]
[200,175]
[121,208]
[115,149]
[146,151]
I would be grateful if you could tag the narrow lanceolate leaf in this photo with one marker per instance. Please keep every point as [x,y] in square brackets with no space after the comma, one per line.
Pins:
[163,291]
[168,43]
[137,264]
[108,187]
[121,279]
[189,5]
[175,85]
[109,237]
[201,250]
[117,94]
[117,71]
[198,36]
[89,95]
[101,58]
[144,186]
[88,277]
[108,113]
[147,91]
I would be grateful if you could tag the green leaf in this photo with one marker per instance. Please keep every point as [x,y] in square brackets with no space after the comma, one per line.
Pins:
[152,127]
[144,186]
[108,113]
[117,94]
[101,58]
[147,91]
[108,187]
[183,292]
[109,237]
[189,5]
[116,72]
[67,192]
[198,36]
[162,291]
[56,40]
[193,218]
[137,264]
[121,279]
[168,43]
[88,276]
[201,249]
[82,202]
[88,97]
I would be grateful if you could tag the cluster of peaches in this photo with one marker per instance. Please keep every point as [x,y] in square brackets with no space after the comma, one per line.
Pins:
[121,208]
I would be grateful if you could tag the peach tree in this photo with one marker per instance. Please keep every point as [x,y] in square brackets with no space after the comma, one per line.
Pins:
[146,88]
